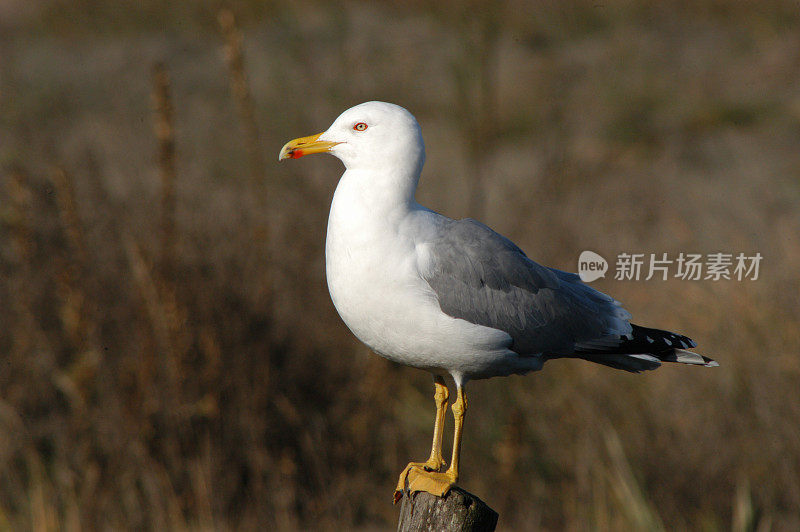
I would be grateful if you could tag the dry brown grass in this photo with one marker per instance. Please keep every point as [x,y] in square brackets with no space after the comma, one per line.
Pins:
[223,392]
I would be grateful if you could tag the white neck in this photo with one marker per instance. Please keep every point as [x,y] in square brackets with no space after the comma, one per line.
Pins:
[357,190]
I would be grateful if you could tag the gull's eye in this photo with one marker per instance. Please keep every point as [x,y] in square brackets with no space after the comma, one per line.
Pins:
[361,126]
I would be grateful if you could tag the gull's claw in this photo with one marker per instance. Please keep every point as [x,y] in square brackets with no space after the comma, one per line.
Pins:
[432,465]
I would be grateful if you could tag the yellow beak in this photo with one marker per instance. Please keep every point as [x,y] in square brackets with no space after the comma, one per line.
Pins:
[296,148]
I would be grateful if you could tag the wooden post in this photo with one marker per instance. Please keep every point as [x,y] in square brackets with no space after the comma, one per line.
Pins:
[458,510]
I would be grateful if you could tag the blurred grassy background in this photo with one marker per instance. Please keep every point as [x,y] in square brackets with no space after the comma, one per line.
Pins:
[169,357]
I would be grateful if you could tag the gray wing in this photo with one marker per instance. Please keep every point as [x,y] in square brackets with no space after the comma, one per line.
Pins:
[482,277]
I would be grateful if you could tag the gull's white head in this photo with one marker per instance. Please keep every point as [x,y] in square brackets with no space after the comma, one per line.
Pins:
[374,136]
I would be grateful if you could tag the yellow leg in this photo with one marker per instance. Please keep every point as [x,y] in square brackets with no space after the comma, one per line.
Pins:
[459,410]
[420,479]
[440,395]
[435,462]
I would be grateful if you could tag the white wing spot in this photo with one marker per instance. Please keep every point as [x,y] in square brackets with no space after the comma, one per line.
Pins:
[649,358]
[649,339]
[666,341]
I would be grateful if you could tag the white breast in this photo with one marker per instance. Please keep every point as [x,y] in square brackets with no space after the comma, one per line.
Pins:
[374,282]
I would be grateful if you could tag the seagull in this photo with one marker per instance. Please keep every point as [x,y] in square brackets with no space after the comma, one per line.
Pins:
[453,297]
